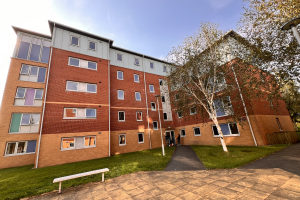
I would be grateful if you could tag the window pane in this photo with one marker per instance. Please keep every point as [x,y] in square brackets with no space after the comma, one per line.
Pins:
[46,43]
[21,147]
[182,132]
[29,97]
[45,54]
[70,112]
[92,65]
[119,57]
[164,68]
[38,94]
[91,88]
[234,129]
[90,112]
[136,78]
[122,139]
[151,65]
[74,62]
[25,69]
[120,94]
[139,116]
[74,40]
[138,96]
[160,82]
[35,119]
[136,61]
[141,138]
[68,143]
[42,75]
[15,123]
[197,131]
[154,125]
[92,45]
[20,93]
[151,88]
[121,116]
[179,114]
[215,130]
[163,99]
[23,50]
[10,148]
[165,116]
[72,86]
[33,71]
[89,141]
[153,106]
[35,52]
[225,129]
[31,146]
[120,75]
[25,119]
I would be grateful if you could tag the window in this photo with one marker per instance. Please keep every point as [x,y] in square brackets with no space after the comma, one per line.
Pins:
[121,94]
[120,75]
[19,148]
[136,78]
[121,116]
[32,74]
[278,123]
[24,123]
[122,139]
[179,114]
[197,131]
[177,97]
[78,142]
[182,132]
[139,116]
[74,40]
[155,126]
[151,87]
[92,45]
[153,106]
[165,116]
[119,57]
[90,141]
[160,82]
[81,87]
[193,111]
[227,129]
[79,113]
[72,86]
[35,49]
[223,106]
[68,143]
[91,88]
[141,137]
[82,63]
[137,96]
[137,61]
[151,65]
[164,69]
[28,97]
[163,99]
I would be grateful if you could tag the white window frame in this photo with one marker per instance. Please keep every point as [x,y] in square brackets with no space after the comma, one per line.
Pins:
[137,116]
[80,61]
[77,45]
[181,134]
[91,84]
[16,149]
[125,139]
[178,114]
[75,65]
[150,65]
[231,135]
[117,57]
[122,75]
[136,98]
[123,95]
[194,112]
[151,106]
[86,117]
[24,93]
[72,90]
[150,88]
[164,116]
[66,149]
[138,138]
[138,60]
[194,131]
[90,137]
[119,116]
[137,76]
[95,45]
[88,65]
[35,93]
[70,117]
[156,126]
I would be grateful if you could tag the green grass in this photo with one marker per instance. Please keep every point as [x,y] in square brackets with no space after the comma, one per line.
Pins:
[24,181]
[213,157]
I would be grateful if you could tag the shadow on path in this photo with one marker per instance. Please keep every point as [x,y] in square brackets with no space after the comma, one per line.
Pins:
[287,159]
[184,159]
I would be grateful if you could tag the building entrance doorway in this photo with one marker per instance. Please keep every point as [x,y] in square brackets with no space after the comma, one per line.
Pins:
[171,134]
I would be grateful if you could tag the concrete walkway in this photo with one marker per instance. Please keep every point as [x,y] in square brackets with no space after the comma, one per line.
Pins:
[287,159]
[184,159]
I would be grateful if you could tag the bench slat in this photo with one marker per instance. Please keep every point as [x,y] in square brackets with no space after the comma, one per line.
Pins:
[80,175]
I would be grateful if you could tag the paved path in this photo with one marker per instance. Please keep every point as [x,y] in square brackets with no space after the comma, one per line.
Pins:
[184,159]
[204,184]
[287,159]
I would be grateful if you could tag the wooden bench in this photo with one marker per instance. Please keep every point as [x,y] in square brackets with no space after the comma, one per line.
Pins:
[61,179]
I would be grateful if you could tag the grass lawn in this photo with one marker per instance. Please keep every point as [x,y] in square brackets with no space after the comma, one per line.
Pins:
[23,181]
[213,157]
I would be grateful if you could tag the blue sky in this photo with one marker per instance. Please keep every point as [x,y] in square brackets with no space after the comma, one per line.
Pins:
[148,27]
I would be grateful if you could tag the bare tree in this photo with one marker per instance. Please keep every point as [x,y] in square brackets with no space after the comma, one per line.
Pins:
[211,73]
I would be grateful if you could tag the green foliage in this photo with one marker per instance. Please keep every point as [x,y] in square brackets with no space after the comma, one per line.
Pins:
[213,157]
[19,182]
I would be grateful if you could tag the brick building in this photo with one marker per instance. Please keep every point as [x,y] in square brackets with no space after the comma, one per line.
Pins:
[74,96]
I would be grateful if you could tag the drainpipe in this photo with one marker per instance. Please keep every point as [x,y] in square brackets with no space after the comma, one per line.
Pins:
[108,99]
[41,128]
[149,132]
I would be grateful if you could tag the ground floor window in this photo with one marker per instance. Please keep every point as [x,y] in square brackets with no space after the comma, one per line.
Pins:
[78,142]
[122,139]
[141,137]
[197,131]
[21,147]
[227,129]
[182,132]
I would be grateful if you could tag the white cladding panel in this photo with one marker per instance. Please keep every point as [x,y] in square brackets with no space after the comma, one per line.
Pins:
[62,40]
[166,106]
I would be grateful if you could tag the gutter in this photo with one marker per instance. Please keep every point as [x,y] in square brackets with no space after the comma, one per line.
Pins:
[149,132]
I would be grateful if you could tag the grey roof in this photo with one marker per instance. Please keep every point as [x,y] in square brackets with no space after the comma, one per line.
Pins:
[17,29]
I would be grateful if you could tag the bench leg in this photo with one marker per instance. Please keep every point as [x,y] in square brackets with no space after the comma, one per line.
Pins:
[102,177]
[59,188]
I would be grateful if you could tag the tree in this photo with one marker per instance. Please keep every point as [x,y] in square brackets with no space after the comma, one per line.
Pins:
[211,72]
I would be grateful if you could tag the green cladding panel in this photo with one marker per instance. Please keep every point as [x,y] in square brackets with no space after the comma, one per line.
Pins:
[15,123]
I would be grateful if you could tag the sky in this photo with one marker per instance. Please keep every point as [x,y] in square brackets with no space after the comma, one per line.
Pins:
[150,27]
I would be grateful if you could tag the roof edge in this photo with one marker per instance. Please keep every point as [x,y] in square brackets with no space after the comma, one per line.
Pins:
[18,29]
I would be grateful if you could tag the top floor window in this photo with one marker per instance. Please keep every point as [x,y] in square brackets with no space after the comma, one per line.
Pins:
[164,69]
[92,45]
[35,49]
[136,61]
[74,40]
[119,57]
[151,65]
